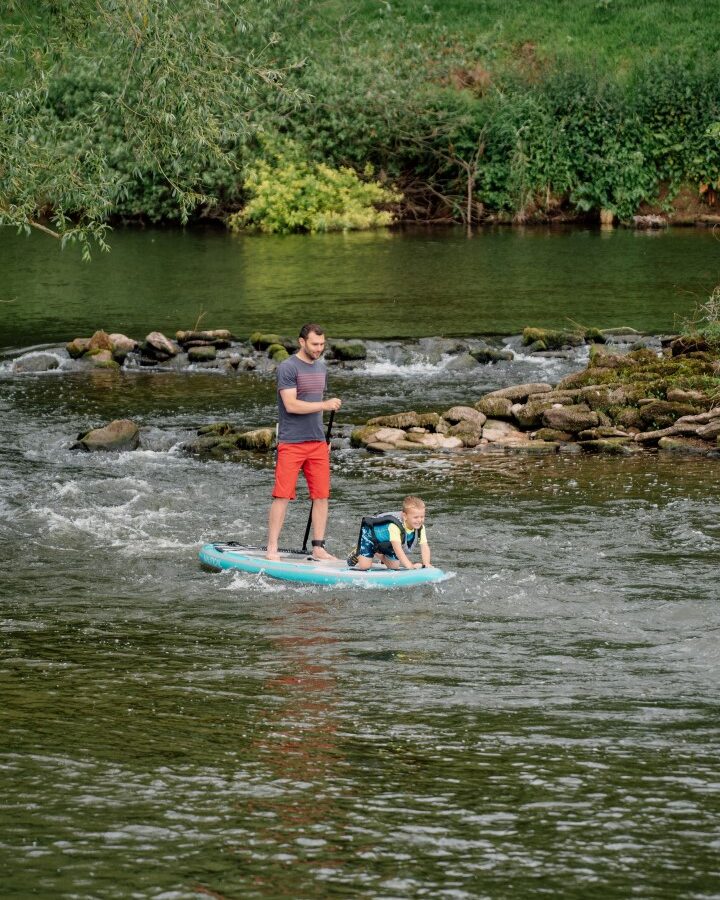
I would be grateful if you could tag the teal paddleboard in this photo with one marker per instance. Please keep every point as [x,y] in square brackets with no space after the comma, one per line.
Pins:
[299,567]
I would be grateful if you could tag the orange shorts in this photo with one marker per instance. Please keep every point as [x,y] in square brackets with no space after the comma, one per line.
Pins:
[313,457]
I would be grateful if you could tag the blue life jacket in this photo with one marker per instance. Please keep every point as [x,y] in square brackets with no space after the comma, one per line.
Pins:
[380,532]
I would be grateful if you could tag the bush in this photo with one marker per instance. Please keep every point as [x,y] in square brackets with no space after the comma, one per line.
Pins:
[288,195]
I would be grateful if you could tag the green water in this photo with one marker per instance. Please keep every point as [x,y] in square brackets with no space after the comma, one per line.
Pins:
[546,723]
[410,284]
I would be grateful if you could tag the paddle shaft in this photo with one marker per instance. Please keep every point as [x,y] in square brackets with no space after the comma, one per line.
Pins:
[309,521]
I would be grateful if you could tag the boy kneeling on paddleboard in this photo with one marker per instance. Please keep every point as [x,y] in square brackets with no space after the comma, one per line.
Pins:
[391,536]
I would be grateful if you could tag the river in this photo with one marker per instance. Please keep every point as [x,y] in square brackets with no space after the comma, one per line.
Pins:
[545,723]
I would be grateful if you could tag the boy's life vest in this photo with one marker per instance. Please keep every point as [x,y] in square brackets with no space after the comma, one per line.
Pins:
[377,526]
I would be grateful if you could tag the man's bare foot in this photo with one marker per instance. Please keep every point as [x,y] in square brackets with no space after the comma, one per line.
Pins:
[321,553]
[272,554]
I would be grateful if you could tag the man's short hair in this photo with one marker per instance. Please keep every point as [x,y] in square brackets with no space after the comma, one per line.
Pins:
[311,327]
[413,503]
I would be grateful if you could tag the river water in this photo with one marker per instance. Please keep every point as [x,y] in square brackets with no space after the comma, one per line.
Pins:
[545,723]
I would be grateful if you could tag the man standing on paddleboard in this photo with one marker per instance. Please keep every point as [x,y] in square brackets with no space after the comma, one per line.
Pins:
[301,383]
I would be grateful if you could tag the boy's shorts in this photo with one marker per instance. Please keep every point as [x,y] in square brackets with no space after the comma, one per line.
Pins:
[313,458]
[367,546]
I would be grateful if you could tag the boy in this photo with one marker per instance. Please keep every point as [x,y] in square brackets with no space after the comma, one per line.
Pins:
[391,536]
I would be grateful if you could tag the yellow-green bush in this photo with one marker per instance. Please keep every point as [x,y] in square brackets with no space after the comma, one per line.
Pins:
[293,195]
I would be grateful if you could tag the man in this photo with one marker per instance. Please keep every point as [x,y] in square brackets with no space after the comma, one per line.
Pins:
[301,382]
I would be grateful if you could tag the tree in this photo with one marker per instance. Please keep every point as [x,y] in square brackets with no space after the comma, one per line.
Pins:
[174,80]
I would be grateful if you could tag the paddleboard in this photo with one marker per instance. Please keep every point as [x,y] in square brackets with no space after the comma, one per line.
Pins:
[299,567]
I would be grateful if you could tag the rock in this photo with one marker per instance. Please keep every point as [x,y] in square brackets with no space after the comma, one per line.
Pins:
[495,431]
[693,446]
[602,432]
[595,336]
[457,414]
[571,418]
[100,341]
[693,343]
[552,435]
[158,345]
[389,435]
[649,222]
[35,362]
[699,398]
[611,361]
[462,363]
[530,415]
[218,428]
[552,340]
[260,439]
[101,359]
[363,435]
[613,446]
[520,392]
[485,355]
[277,353]
[119,435]
[436,441]
[205,353]
[495,407]
[220,338]
[379,447]
[121,346]
[407,445]
[262,341]
[709,432]
[622,331]
[430,421]
[348,350]
[467,431]
[595,397]
[77,347]
[661,414]
[398,420]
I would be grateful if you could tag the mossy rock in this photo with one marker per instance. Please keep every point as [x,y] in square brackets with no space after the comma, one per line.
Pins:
[470,433]
[261,341]
[77,347]
[611,446]
[217,428]
[661,414]
[205,353]
[553,435]
[487,355]
[408,419]
[686,445]
[349,351]
[625,417]
[571,418]
[260,439]
[277,353]
[118,435]
[361,436]
[595,336]
[495,407]
[553,340]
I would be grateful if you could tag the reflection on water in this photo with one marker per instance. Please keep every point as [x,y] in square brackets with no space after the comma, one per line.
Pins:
[407,283]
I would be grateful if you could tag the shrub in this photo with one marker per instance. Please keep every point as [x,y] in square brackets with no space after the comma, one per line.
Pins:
[288,194]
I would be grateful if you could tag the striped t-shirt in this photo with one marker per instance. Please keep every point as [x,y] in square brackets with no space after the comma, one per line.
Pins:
[309,379]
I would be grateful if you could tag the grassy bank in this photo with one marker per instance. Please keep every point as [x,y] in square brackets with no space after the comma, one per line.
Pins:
[474,111]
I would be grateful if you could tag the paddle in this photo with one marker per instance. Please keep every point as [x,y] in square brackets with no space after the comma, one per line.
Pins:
[309,521]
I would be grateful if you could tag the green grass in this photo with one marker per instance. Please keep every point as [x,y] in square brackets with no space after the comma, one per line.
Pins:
[616,33]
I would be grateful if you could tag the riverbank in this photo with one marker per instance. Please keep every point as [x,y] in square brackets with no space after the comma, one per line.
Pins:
[470,113]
